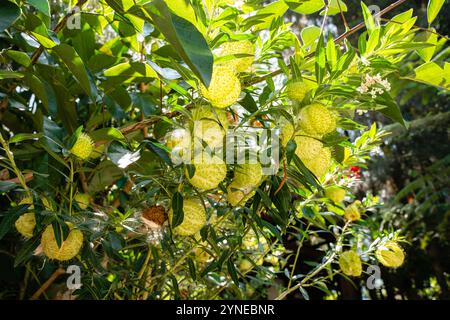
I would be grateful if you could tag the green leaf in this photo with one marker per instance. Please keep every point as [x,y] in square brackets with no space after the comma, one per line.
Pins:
[232,271]
[368,18]
[331,51]
[372,43]
[58,232]
[38,88]
[290,150]
[192,269]
[9,12]
[249,103]
[434,6]
[265,16]
[121,156]
[53,135]
[66,107]
[121,6]
[392,109]
[177,209]
[183,9]
[26,251]
[107,134]
[10,217]
[84,43]
[305,6]
[6,74]
[307,174]
[41,5]
[146,103]
[46,42]
[320,60]
[431,38]
[339,153]
[131,70]
[335,7]
[159,149]
[19,57]
[343,63]
[185,38]
[25,136]
[432,73]
[309,35]
[71,59]
[190,170]
[74,137]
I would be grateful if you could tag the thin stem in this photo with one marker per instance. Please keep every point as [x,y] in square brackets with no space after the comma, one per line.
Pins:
[144,266]
[318,269]
[71,186]
[343,16]
[418,28]
[300,245]
[325,16]
[47,283]
[337,40]
[23,289]
[362,24]
[59,27]
[10,156]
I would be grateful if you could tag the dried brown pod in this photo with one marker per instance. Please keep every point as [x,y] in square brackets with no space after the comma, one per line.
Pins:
[154,217]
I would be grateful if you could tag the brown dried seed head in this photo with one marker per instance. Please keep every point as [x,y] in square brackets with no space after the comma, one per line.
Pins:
[155,214]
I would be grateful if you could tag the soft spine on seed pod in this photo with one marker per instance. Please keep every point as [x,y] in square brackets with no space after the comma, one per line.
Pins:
[243,47]
[194,217]
[390,254]
[224,88]
[350,263]
[209,171]
[26,223]
[247,178]
[316,120]
[69,247]
[83,147]
[210,125]
[297,90]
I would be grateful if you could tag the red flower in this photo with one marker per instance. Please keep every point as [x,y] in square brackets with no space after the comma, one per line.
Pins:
[356,170]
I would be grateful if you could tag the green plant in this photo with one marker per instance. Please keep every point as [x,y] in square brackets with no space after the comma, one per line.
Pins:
[94,110]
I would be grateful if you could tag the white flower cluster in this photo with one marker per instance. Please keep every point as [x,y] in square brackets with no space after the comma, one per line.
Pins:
[374,85]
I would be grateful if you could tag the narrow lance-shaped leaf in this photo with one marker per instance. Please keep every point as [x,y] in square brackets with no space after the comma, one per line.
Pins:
[42,5]
[71,59]
[368,18]
[434,6]
[305,6]
[9,12]
[392,110]
[331,51]
[320,60]
[177,209]
[185,38]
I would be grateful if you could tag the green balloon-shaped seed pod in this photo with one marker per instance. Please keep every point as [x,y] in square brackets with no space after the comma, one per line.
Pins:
[317,120]
[194,217]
